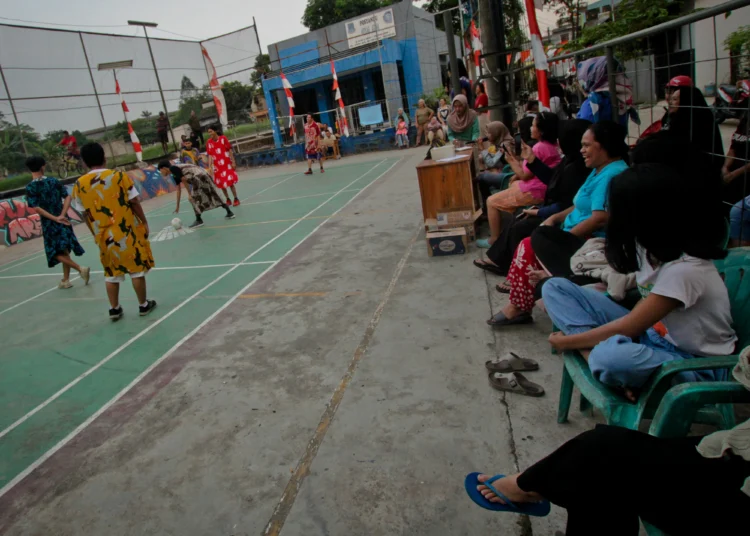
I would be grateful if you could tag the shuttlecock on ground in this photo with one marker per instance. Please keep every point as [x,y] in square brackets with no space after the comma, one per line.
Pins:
[176,223]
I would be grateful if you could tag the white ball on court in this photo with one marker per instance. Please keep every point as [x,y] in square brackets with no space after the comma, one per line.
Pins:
[176,223]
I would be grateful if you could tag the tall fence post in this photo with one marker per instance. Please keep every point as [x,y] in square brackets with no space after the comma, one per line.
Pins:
[448,22]
[13,109]
[98,102]
[611,75]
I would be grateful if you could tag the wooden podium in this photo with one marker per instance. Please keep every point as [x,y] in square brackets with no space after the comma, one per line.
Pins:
[447,186]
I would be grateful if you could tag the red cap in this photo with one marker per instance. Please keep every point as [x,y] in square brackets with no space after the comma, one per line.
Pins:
[680,81]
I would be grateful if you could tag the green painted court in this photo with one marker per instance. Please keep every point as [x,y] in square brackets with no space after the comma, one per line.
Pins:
[63,360]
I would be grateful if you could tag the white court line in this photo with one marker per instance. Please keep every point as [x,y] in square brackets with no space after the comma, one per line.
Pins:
[31,299]
[66,388]
[273,186]
[275,200]
[160,268]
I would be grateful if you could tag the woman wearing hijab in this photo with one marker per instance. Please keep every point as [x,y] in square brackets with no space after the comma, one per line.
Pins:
[493,157]
[594,80]
[691,120]
[463,123]
[562,182]
[525,188]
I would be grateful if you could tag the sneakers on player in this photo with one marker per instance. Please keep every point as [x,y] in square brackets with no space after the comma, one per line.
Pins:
[85,274]
[146,309]
[196,224]
[236,202]
[230,216]
[308,172]
[65,283]
[115,314]
[322,170]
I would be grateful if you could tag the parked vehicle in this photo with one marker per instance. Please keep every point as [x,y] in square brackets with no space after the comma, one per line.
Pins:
[731,101]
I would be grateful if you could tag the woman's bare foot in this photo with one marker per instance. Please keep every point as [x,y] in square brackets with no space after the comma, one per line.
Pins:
[505,285]
[511,311]
[537,275]
[508,486]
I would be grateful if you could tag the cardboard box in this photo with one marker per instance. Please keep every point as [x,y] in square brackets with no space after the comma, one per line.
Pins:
[444,243]
[465,219]
[431,225]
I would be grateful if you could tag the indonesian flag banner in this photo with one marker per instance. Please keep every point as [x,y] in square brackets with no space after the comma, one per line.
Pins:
[540,58]
[133,136]
[343,127]
[219,102]
[290,101]
[476,42]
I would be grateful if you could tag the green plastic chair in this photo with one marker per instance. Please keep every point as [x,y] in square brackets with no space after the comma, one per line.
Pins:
[619,411]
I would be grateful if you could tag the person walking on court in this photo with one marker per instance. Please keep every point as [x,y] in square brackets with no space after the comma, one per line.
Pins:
[51,201]
[195,127]
[312,144]
[221,163]
[162,128]
[200,189]
[110,205]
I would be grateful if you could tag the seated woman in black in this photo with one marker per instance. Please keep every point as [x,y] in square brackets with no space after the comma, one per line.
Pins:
[563,182]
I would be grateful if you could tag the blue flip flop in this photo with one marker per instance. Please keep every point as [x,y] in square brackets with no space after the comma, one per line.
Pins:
[539,509]
[483,243]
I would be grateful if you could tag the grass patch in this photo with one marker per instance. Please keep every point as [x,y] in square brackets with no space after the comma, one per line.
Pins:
[15,182]
[248,129]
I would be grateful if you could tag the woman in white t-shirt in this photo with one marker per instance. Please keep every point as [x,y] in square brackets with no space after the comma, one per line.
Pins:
[685,310]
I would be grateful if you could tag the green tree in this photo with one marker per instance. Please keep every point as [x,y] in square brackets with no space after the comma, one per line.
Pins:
[568,12]
[322,13]
[436,6]
[737,44]
[238,97]
[146,114]
[262,66]
[187,89]
[630,16]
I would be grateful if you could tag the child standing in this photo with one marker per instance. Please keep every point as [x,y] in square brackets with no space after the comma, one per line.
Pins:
[402,133]
[51,200]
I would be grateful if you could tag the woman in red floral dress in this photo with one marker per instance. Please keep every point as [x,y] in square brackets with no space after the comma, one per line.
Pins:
[221,162]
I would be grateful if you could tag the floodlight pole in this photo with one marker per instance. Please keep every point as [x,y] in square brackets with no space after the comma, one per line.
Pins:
[144,25]
[98,102]
[13,109]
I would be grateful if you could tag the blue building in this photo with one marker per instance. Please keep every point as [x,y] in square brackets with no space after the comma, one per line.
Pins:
[389,57]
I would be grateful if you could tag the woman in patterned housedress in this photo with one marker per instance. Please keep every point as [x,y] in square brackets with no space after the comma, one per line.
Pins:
[221,162]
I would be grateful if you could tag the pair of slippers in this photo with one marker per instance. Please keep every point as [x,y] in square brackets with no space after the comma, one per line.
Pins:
[505,375]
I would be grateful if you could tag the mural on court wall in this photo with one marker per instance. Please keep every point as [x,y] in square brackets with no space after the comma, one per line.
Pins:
[19,222]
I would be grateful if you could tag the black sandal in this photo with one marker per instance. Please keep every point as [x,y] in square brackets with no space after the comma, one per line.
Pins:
[512,363]
[503,288]
[488,267]
[501,320]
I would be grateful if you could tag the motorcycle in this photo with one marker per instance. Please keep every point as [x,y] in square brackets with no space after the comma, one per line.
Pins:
[731,101]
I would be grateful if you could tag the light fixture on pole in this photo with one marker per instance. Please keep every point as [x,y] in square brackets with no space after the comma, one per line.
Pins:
[145,25]
[113,66]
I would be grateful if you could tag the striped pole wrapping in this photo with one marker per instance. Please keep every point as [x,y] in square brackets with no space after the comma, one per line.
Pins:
[540,58]
[133,136]
[343,127]
[289,100]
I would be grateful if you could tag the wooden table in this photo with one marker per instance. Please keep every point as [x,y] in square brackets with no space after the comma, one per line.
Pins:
[447,186]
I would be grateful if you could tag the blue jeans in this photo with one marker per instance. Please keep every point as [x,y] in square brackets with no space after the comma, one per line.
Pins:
[618,361]
[402,140]
[739,220]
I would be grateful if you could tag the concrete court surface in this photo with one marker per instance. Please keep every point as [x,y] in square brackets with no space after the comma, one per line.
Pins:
[348,398]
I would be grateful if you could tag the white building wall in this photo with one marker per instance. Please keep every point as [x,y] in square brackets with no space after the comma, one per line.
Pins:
[709,68]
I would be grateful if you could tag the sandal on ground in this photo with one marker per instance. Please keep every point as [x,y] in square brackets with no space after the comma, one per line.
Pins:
[538,509]
[501,320]
[479,263]
[515,383]
[503,288]
[512,363]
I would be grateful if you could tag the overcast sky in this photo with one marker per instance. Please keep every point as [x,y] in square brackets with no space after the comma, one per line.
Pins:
[277,19]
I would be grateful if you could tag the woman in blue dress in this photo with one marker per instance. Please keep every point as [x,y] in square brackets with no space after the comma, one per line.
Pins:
[51,201]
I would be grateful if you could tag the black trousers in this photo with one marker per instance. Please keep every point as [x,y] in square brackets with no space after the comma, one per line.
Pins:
[554,248]
[513,231]
[609,477]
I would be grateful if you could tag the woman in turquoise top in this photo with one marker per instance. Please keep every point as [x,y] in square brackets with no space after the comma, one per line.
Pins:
[549,249]
[463,122]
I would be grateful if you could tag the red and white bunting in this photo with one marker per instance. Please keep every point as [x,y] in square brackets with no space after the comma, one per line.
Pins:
[218,94]
[133,136]
[289,100]
[343,127]
[540,59]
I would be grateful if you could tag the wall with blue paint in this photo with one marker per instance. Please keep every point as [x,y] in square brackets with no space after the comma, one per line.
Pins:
[412,73]
[297,54]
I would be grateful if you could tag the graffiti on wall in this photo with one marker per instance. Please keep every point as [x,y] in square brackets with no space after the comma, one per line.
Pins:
[19,222]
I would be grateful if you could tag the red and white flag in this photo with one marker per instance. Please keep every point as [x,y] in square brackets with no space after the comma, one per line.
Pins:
[219,102]
[289,100]
[540,58]
[133,136]
[343,127]
[476,42]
